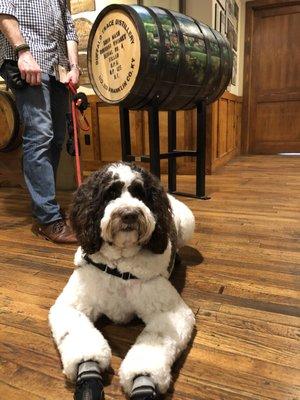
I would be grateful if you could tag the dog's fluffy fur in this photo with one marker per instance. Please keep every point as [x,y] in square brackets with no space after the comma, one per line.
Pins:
[123,218]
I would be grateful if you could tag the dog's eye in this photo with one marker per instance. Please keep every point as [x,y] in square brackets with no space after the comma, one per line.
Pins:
[137,190]
[113,191]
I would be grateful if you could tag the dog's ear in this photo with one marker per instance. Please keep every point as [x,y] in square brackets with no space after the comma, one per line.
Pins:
[158,202]
[87,210]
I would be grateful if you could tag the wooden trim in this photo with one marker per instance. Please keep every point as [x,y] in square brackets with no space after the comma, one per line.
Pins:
[182,6]
[262,98]
[259,4]
[220,162]
[247,77]
[230,96]
[289,9]
[223,142]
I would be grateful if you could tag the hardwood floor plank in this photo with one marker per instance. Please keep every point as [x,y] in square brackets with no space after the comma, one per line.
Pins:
[245,293]
[12,393]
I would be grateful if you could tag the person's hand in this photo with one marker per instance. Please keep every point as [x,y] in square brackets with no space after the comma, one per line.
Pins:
[29,68]
[73,77]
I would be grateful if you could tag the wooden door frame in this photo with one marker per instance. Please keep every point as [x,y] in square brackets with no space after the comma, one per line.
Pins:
[251,7]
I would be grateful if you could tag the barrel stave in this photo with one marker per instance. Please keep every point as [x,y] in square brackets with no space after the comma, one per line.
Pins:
[10,126]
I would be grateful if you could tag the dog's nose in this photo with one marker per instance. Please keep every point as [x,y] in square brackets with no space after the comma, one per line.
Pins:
[129,216]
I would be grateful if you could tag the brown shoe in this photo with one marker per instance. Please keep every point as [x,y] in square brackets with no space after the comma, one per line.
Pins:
[58,232]
[64,213]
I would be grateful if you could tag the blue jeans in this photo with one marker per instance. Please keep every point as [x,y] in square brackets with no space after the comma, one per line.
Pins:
[43,111]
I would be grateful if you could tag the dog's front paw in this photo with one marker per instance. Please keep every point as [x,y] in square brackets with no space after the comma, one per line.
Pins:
[138,363]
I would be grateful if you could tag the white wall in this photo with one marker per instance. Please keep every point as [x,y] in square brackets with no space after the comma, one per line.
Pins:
[201,10]
[100,4]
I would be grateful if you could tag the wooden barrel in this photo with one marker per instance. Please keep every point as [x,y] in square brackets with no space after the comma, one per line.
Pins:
[10,127]
[141,56]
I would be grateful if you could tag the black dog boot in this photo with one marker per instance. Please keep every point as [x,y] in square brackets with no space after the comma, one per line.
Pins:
[143,389]
[89,384]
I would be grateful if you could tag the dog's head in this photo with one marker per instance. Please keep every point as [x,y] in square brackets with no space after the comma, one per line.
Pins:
[123,205]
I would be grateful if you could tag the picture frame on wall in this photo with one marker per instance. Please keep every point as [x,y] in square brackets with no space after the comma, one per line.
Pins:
[230,8]
[78,6]
[234,70]
[236,11]
[231,35]
[83,27]
[220,16]
[232,15]
[217,17]
[232,12]
[222,23]
[222,3]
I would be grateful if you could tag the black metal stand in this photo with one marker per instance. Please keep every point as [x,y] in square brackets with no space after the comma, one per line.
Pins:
[155,155]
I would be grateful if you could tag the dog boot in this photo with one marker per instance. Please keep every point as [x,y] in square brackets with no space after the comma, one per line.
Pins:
[143,389]
[89,384]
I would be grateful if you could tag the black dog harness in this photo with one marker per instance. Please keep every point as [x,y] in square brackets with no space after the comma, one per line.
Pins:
[111,271]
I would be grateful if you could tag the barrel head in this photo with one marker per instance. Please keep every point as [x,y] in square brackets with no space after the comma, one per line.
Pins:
[114,56]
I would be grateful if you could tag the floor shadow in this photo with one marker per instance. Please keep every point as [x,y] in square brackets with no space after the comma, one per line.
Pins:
[187,257]
[190,256]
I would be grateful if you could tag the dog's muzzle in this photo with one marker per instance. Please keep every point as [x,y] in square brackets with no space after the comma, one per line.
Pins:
[126,225]
[129,217]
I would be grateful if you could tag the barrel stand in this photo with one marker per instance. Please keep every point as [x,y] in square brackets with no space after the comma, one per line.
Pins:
[155,155]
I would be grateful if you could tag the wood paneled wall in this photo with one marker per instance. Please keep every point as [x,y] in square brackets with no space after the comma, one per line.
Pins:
[225,132]
[103,143]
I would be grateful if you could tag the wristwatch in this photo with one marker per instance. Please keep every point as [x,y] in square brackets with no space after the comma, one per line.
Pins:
[21,47]
[76,66]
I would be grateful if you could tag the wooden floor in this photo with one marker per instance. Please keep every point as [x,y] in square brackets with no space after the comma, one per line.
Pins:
[245,293]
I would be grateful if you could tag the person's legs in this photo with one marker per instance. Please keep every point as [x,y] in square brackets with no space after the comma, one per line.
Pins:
[34,106]
[59,109]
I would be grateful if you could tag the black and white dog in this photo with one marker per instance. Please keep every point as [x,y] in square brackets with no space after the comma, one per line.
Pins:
[129,230]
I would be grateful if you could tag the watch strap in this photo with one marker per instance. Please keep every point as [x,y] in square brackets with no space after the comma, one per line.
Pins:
[76,66]
[21,47]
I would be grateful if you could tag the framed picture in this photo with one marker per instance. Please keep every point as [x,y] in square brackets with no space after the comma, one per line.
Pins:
[217,17]
[230,8]
[231,35]
[222,3]
[77,6]
[220,16]
[234,70]
[222,23]
[236,11]
[83,27]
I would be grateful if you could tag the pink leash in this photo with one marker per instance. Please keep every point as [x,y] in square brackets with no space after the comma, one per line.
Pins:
[77,115]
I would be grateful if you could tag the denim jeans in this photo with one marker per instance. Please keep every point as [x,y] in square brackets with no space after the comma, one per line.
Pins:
[43,111]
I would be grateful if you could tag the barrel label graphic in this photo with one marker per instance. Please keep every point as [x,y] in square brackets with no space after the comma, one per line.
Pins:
[115,56]
[142,56]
